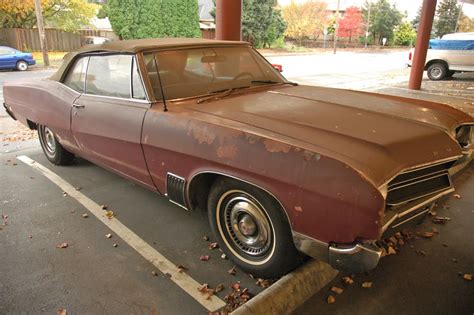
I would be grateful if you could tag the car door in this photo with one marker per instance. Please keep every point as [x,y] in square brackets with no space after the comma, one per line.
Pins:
[7,58]
[107,119]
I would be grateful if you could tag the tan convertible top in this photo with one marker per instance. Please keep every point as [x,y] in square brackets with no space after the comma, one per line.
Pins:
[137,45]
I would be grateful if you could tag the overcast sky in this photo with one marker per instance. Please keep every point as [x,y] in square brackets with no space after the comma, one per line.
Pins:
[410,6]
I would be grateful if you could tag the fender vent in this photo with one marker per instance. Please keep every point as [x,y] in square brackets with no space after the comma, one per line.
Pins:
[175,189]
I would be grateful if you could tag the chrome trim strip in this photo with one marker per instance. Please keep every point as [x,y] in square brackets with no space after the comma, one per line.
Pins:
[312,247]
[419,179]
[184,192]
[355,258]
[415,207]
[434,174]
[411,218]
[174,202]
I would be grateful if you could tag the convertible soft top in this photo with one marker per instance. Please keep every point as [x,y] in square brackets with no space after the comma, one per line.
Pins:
[137,45]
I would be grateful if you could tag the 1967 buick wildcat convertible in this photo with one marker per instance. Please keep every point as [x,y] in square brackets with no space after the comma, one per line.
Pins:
[282,169]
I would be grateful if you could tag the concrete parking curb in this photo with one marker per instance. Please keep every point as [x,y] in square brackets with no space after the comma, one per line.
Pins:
[291,291]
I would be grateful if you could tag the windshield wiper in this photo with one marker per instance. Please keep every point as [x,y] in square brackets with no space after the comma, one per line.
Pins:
[272,82]
[219,94]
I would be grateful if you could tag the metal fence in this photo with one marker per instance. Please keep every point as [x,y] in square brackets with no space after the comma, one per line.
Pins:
[28,39]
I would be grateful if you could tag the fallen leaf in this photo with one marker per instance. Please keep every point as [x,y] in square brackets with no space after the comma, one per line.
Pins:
[235,286]
[457,196]
[391,251]
[30,236]
[115,245]
[337,290]
[347,280]
[85,215]
[181,268]
[64,194]
[108,235]
[78,188]
[425,234]
[367,285]
[62,311]
[331,299]
[219,288]
[224,256]
[440,220]
[213,245]
[109,214]
[467,276]
[204,257]
[421,252]
[154,273]
[232,271]
[206,238]
[103,207]
[62,245]
[263,283]
[454,260]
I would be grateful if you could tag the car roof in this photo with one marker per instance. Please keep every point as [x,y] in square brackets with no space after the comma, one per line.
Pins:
[138,45]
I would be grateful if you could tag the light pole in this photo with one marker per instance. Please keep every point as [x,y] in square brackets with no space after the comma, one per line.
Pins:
[368,24]
[336,26]
[42,35]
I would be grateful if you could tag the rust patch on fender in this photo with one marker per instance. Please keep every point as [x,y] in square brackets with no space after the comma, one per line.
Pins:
[298,208]
[228,151]
[252,139]
[308,155]
[275,146]
[202,134]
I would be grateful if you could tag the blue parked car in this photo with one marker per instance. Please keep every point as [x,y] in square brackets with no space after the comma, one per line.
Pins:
[11,58]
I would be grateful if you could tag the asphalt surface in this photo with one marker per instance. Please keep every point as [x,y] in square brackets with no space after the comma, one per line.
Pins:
[92,276]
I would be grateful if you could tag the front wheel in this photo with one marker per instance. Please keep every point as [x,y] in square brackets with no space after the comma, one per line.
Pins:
[437,71]
[21,65]
[252,229]
[53,150]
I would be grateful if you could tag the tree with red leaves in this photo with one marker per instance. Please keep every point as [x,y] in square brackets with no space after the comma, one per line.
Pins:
[351,23]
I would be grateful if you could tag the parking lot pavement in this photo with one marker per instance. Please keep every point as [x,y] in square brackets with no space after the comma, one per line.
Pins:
[90,275]
[424,277]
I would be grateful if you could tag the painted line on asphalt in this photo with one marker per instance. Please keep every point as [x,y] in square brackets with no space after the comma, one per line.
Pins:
[183,280]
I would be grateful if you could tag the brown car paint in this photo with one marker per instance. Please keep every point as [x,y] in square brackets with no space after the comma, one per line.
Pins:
[323,153]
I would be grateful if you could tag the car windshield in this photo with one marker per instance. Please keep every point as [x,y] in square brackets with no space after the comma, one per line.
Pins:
[199,71]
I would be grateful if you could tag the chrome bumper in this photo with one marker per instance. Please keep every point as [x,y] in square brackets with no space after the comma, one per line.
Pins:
[355,258]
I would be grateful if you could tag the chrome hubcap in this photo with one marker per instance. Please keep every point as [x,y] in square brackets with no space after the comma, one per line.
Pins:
[49,140]
[247,225]
[436,72]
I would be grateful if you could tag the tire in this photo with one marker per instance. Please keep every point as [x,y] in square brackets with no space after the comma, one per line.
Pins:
[437,71]
[252,229]
[54,151]
[21,65]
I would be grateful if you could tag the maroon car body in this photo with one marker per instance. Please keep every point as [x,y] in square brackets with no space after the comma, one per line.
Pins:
[346,167]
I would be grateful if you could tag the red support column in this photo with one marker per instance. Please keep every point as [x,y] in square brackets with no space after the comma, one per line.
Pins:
[229,19]
[422,41]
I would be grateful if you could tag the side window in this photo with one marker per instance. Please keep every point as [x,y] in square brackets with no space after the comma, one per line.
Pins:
[137,85]
[76,76]
[109,75]
[153,75]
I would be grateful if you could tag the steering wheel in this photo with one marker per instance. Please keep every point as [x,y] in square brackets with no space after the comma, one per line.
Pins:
[242,74]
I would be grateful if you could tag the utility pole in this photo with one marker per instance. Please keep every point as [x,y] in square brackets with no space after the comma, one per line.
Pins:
[336,27]
[368,24]
[459,16]
[42,35]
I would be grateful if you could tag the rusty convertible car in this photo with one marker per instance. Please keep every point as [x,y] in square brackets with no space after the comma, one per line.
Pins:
[282,169]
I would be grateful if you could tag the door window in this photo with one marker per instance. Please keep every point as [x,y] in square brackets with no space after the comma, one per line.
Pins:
[137,85]
[109,75]
[76,76]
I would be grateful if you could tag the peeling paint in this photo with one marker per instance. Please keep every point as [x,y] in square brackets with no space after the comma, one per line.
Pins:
[252,139]
[308,156]
[202,134]
[228,151]
[298,208]
[275,146]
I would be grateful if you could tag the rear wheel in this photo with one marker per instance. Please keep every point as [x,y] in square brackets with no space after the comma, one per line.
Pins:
[21,65]
[252,229]
[437,71]
[53,150]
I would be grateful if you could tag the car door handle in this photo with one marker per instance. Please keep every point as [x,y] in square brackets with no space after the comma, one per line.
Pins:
[78,105]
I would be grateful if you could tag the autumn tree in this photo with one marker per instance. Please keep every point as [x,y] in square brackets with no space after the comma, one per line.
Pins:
[384,17]
[132,19]
[351,23]
[305,20]
[68,15]
[404,34]
[466,24]
[447,15]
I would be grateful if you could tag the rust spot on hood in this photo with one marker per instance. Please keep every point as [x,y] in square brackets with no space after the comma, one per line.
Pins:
[276,146]
[228,151]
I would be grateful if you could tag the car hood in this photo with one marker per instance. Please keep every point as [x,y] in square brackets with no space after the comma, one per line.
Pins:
[376,135]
